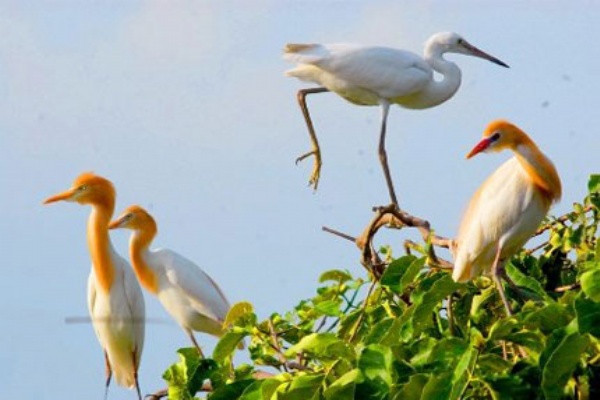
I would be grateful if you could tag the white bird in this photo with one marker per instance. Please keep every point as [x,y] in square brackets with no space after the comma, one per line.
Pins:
[507,209]
[192,298]
[115,299]
[381,76]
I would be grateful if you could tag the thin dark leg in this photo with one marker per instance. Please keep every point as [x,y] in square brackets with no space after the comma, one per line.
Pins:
[135,377]
[385,107]
[196,344]
[108,371]
[497,272]
[316,151]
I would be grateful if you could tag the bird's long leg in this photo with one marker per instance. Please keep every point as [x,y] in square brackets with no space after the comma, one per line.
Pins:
[191,334]
[108,371]
[316,150]
[135,376]
[497,272]
[385,107]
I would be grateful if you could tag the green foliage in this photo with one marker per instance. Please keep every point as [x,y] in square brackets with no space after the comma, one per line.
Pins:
[416,334]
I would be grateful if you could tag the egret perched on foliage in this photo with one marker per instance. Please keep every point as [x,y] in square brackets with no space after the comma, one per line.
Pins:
[115,299]
[191,297]
[508,207]
[381,76]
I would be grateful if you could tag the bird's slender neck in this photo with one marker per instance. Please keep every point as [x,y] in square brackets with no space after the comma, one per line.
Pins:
[436,91]
[539,168]
[139,250]
[100,246]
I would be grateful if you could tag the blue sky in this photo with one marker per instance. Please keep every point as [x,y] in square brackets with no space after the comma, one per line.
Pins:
[184,106]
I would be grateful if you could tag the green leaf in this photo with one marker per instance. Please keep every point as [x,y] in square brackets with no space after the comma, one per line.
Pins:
[549,318]
[588,315]
[423,309]
[185,377]
[344,387]
[335,275]
[590,282]
[260,389]
[401,272]
[462,373]
[375,363]
[227,345]
[232,391]
[494,363]
[594,183]
[561,358]
[238,311]
[329,307]
[438,387]
[413,389]
[303,387]
[522,280]
[325,345]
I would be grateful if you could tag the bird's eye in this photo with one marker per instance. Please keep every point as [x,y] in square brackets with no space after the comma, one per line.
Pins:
[495,136]
[82,188]
[129,217]
[461,41]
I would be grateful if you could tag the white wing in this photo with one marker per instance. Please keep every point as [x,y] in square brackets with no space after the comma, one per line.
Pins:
[205,295]
[505,210]
[135,300]
[386,71]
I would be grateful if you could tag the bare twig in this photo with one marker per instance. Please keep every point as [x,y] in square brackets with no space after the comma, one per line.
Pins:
[566,288]
[563,218]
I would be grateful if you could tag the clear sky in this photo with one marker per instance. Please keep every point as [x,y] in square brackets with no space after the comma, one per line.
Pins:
[184,106]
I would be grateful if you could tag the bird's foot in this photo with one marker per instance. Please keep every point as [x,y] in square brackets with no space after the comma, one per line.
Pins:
[316,172]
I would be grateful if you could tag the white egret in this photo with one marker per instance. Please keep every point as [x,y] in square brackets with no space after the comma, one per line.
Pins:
[115,299]
[192,298]
[507,208]
[381,76]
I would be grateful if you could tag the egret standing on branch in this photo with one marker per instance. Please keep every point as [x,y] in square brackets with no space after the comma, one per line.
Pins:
[508,208]
[115,300]
[191,297]
[371,76]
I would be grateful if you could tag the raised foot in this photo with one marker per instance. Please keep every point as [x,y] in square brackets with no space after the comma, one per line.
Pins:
[316,172]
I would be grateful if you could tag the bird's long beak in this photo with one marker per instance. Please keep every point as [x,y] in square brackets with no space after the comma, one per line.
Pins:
[479,147]
[474,51]
[117,223]
[67,195]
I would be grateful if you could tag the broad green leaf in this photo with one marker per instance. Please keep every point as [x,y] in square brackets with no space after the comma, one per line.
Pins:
[394,273]
[493,363]
[344,387]
[549,318]
[335,275]
[462,372]
[185,377]
[422,315]
[438,387]
[560,362]
[375,363]
[260,389]
[227,345]
[231,391]
[588,315]
[522,280]
[329,307]
[594,189]
[325,345]
[237,311]
[447,352]
[303,387]
[413,389]
[590,283]
[378,331]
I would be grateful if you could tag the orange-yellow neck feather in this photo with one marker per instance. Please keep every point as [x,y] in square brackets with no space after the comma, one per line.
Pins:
[540,170]
[100,246]
[138,247]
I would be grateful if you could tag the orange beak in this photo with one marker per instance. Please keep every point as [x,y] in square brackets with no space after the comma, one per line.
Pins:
[479,147]
[116,223]
[66,196]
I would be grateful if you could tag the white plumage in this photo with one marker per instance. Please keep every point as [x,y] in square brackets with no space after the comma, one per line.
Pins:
[380,76]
